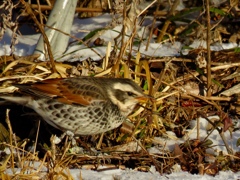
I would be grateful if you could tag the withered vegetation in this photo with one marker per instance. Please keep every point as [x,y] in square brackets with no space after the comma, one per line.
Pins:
[186,87]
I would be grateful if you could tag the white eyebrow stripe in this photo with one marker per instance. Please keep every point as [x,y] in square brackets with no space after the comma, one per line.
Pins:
[123,87]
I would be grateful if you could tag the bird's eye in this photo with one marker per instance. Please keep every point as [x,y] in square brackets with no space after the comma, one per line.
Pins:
[130,94]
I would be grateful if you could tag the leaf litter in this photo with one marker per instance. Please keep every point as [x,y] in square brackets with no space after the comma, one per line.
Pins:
[181,127]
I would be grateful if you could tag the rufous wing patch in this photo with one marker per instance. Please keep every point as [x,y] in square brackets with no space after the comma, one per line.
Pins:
[54,88]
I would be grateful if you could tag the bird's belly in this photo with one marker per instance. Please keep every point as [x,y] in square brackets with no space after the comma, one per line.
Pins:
[81,120]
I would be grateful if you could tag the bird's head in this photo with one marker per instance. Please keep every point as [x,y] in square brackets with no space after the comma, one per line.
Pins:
[126,94]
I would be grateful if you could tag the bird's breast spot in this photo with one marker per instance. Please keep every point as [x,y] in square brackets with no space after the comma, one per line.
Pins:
[66,116]
[58,106]
[100,113]
[72,118]
[97,110]
[58,115]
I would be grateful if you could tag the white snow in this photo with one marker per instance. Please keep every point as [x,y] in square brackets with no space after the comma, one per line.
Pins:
[80,28]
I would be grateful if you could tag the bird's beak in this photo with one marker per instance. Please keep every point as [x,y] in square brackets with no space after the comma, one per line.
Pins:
[145,98]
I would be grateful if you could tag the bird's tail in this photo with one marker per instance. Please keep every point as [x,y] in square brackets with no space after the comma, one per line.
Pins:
[24,100]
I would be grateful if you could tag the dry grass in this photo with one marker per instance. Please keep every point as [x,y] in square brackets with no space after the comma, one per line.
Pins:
[172,81]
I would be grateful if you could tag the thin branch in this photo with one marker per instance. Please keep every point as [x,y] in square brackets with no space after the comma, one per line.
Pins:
[29,11]
[209,79]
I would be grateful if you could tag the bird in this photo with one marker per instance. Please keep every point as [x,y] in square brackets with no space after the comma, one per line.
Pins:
[84,105]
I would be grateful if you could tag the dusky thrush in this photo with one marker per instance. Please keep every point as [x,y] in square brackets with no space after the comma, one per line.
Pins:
[83,105]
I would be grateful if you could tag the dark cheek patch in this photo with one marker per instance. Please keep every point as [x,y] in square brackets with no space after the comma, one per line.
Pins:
[120,95]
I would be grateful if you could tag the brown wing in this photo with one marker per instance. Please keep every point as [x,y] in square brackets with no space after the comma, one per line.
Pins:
[65,91]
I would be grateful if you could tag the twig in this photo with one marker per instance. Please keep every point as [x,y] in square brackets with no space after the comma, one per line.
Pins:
[232,4]
[10,136]
[150,156]
[115,68]
[167,23]
[29,11]
[220,131]
[73,37]
[36,139]
[152,27]
[159,82]
[225,66]
[174,59]
[209,79]
[78,9]
[82,9]
[146,8]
